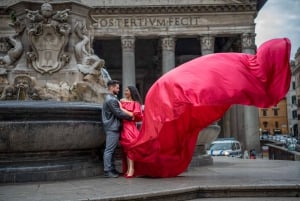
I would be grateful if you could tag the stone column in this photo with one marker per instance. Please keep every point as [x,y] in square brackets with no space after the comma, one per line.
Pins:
[168,53]
[128,61]
[209,134]
[207,45]
[248,43]
[251,113]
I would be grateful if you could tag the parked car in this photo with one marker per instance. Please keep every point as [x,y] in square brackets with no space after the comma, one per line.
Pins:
[225,147]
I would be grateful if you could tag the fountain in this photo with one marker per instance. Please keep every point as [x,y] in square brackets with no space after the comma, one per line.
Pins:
[52,87]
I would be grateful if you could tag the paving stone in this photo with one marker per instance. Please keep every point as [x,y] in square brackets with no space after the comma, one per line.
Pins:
[227,178]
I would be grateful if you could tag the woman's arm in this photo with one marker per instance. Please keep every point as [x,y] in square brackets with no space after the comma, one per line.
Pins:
[126,111]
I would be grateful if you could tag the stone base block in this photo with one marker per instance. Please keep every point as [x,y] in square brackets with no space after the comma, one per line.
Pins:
[201,160]
[52,166]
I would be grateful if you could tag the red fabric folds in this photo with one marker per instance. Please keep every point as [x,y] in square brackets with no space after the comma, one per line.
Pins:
[192,96]
[129,133]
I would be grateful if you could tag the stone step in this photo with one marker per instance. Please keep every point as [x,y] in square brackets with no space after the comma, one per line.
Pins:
[250,199]
[207,193]
[49,166]
[11,158]
[50,172]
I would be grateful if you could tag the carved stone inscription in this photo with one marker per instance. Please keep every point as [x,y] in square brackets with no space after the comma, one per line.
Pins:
[125,22]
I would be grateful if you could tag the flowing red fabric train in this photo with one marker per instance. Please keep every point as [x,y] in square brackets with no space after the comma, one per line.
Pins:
[192,96]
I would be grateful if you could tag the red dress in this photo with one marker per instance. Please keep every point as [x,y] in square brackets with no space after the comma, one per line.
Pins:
[130,132]
[192,96]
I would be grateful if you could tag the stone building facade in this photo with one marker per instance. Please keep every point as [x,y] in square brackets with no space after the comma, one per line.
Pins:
[274,120]
[296,73]
[292,105]
[141,40]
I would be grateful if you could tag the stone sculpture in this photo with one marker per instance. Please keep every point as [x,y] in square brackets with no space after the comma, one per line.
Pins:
[48,35]
[16,50]
[88,63]
[62,64]
[91,66]
[13,54]
[23,88]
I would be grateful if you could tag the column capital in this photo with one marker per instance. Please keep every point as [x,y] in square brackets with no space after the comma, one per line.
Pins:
[207,42]
[248,41]
[168,43]
[128,42]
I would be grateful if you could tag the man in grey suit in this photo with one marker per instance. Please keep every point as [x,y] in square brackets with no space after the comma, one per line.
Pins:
[112,116]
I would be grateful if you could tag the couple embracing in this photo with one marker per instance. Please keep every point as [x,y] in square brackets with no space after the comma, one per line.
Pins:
[119,122]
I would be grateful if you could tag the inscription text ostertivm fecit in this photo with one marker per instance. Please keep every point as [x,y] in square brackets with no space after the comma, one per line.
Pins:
[117,22]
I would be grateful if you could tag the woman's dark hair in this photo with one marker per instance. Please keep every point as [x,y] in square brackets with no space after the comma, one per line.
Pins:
[135,95]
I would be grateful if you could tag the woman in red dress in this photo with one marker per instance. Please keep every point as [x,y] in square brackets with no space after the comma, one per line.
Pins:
[130,104]
[190,97]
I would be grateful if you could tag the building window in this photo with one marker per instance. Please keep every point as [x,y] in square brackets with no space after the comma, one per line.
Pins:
[276,112]
[294,85]
[276,124]
[264,111]
[294,100]
[265,123]
[294,114]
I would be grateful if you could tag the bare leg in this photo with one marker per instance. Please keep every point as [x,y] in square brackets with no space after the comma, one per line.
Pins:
[130,165]
[127,165]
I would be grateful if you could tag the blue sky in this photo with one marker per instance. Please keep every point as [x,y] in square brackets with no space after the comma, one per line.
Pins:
[279,18]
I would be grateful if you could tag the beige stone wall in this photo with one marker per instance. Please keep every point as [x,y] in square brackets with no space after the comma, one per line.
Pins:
[281,118]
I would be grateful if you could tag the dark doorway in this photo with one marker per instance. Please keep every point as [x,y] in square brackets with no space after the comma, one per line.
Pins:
[186,49]
[228,44]
[110,50]
[148,63]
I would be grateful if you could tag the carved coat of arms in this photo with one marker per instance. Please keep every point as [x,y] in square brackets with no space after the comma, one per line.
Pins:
[48,34]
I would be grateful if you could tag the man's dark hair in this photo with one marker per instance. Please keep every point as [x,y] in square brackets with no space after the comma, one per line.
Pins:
[111,83]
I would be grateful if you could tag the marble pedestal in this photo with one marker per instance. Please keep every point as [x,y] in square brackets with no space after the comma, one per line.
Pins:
[205,137]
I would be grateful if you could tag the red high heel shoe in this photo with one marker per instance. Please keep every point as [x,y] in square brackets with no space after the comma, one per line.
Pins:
[129,177]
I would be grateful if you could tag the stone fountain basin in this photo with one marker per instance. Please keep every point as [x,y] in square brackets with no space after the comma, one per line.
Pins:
[35,126]
[48,140]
